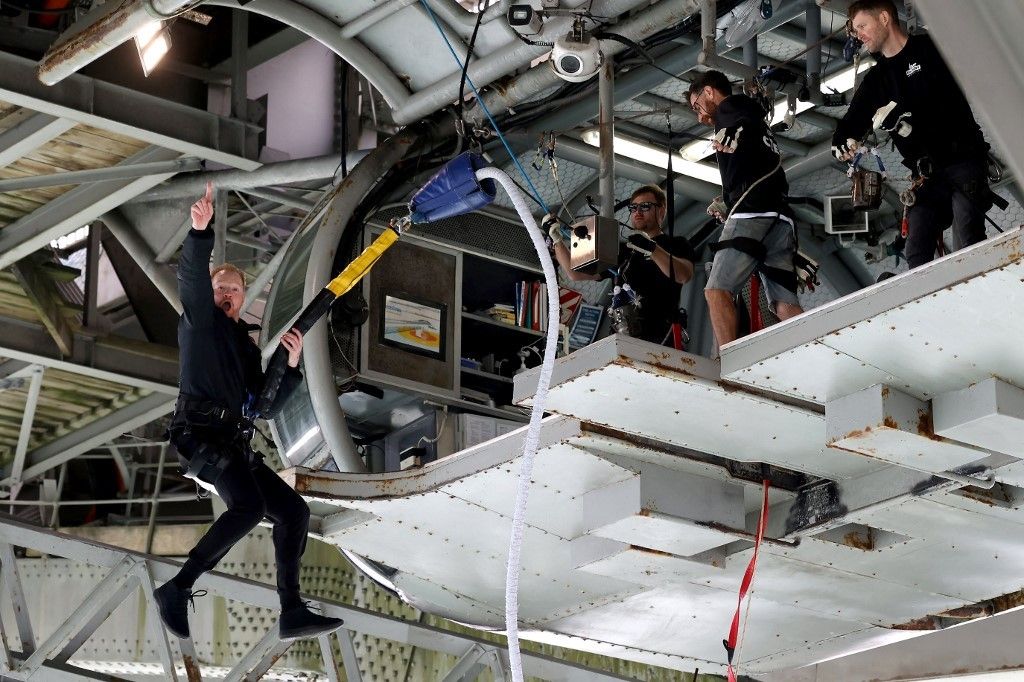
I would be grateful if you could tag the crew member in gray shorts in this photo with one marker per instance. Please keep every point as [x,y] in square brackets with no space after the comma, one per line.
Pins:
[758,234]
[732,267]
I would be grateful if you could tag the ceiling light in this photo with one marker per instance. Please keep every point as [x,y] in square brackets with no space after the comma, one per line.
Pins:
[656,157]
[153,41]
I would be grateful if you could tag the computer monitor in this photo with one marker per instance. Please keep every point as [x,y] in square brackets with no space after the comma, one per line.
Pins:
[842,218]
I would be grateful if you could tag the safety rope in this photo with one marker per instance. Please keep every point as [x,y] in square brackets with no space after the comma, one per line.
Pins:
[748,577]
[532,438]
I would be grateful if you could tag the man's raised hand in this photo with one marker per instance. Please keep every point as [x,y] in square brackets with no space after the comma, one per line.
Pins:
[202,210]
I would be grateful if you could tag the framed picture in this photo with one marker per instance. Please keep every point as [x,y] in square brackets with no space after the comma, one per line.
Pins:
[415,326]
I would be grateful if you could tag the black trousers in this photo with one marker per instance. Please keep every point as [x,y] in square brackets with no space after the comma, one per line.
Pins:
[251,491]
[958,195]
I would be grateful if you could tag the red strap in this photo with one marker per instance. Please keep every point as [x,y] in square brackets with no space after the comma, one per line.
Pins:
[756,324]
[748,577]
[677,336]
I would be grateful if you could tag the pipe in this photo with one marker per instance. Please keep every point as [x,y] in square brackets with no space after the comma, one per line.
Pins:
[160,275]
[138,170]
[606,128]
[281,173]
[708,24]
[750,53]
[541,77]
[643,78]
[92,37]
[813,31]
[325,31]
[323,394]
[497,64]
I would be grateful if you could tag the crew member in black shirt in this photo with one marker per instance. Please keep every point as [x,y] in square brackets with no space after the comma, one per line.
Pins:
[759,233]
[220,376]
[911,94]
[653,264]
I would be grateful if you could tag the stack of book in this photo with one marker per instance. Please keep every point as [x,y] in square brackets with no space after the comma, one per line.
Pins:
[502,312]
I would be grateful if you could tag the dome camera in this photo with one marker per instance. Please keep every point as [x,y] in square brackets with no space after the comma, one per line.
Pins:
[576,57]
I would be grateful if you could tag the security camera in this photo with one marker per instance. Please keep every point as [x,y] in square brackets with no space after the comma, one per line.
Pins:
[525,17]
[576,56]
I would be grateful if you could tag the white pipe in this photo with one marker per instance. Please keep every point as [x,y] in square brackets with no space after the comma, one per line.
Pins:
[536,414]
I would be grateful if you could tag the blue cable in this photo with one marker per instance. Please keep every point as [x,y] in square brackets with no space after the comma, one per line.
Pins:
[490,118]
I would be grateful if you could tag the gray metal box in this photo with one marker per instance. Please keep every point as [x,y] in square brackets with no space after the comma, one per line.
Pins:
[594,245]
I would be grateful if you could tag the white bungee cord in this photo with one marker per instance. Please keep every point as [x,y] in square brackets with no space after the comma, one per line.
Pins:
[533,431]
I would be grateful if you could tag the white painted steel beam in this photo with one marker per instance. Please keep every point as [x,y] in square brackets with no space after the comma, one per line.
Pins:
[988,414]
[146,366]
[265,596]
[65,448]
[330,662]
[27,417]
[14,589]
[120,110]
[118,172]
[348,656]
[76,208]
[98,599]
[29,135]
[884,423]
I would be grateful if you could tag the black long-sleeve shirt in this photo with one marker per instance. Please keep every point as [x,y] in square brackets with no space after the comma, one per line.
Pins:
[755,156]
[219,360]
[918,80]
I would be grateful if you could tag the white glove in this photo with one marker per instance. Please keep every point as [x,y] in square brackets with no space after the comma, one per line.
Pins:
[844,151]
[728,139]
[718,209]
[892,120]
[554,230]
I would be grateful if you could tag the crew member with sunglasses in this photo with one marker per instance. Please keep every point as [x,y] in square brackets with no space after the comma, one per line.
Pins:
[759,233]
[653,264]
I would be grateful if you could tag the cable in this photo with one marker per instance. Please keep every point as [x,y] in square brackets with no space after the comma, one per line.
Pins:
[487,111]
[532,438]
[469,53]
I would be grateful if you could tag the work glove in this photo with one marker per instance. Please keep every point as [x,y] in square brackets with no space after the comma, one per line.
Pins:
[844,151]
[549,223]
[728,139]
[718,209]
[892,119]
[641,243]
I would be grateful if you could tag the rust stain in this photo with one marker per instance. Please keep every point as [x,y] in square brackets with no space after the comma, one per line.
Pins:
[890,423]
[885,389]
[191,669]
[926,623]
[648,550]
[89,41]
[925,426]
[865,541]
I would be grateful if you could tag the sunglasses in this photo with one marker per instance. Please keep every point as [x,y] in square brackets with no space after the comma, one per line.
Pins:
[642,207]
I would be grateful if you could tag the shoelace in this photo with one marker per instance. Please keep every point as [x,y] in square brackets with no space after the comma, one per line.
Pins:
[192,596]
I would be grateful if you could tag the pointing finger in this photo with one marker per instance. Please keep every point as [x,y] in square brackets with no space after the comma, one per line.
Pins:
[209,190]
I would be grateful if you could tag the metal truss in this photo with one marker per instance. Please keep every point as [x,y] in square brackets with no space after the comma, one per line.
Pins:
[49,658]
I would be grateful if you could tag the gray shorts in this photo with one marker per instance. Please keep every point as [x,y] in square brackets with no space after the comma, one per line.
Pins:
[731,268]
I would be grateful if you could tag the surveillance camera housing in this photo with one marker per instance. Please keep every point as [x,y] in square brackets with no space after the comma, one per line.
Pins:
[525,17]
[575,57]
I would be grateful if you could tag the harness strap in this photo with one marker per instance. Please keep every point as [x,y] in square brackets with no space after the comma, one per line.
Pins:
[756,250]
[732,642]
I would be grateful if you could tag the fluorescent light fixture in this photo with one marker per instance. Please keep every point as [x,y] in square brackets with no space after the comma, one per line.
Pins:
[840,81]
[656,157]
[306,437]
[153,41]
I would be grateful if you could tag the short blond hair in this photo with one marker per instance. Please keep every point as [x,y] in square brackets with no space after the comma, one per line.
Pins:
[228,267]
[659,193]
